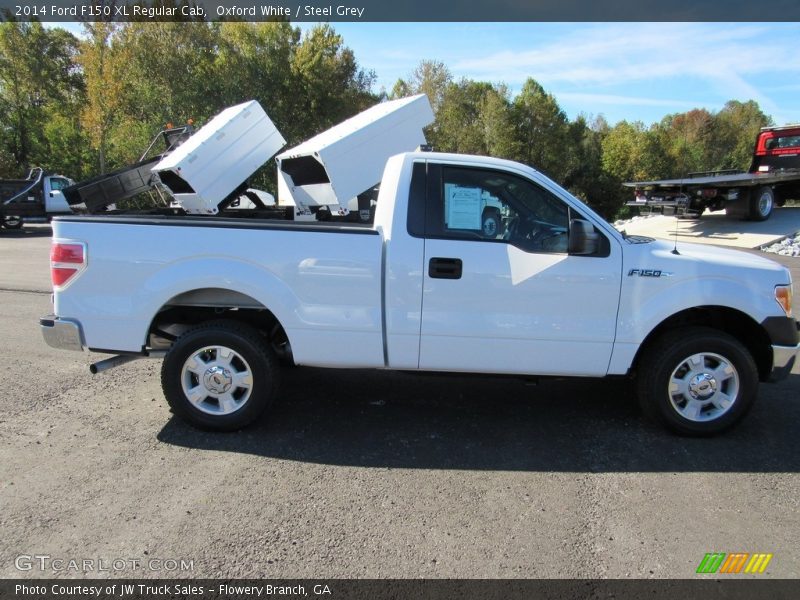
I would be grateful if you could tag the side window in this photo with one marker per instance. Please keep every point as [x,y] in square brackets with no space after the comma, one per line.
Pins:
[58,184]
[480,204]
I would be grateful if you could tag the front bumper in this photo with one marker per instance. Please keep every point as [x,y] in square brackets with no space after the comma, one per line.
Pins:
[63,334]
[784,332]
[783,359]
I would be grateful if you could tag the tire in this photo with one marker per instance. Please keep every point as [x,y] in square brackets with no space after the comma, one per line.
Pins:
[492,224]
[697,381]
[220,376]
[762,201]
[12,223]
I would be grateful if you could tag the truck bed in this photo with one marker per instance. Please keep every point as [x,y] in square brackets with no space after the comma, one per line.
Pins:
[223,222]
[322,281]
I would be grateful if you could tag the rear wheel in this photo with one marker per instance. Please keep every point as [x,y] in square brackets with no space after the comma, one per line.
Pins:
[492,223]
[762,201]
[220,376]
[12,222]
[697,381]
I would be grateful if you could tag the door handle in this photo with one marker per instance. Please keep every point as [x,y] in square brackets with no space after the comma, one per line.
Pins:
[445,268]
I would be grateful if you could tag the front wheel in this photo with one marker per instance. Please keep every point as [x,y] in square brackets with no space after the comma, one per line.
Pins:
[220,375]
[697,381]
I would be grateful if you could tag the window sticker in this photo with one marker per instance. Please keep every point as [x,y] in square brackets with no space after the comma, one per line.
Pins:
[463,207]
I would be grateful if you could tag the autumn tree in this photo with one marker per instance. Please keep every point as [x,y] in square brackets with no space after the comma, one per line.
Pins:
[102,59]
[687,137]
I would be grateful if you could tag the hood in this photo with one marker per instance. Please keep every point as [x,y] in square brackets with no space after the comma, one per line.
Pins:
[725,257]
[703,261]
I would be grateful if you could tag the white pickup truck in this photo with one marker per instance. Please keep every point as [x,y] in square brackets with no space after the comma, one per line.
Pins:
[554,291]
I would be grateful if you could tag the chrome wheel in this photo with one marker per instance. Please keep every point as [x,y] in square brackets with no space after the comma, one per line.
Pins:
[12,222]
[703,387]
[765,203]
[217,380]
[490,227]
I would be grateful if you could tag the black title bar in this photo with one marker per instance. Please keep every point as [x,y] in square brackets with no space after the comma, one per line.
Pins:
[407,10]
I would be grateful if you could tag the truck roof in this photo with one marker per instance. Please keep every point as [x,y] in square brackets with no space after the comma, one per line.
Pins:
[466,159]
[781,127]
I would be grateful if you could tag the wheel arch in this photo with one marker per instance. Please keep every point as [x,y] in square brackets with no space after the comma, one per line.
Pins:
[722,318]
[193,307]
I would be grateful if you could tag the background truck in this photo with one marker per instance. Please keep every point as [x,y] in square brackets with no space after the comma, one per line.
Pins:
[772,179]
[39,196]
[555,291]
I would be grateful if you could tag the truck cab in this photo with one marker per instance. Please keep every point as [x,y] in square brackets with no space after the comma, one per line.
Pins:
[777,149]
[38,196]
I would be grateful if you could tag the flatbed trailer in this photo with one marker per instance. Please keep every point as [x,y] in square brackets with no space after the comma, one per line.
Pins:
[773,178]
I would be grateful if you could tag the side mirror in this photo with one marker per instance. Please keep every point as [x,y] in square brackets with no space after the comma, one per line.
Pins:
[583,239]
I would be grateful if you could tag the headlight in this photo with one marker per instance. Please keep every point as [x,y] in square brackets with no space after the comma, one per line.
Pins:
[783,295]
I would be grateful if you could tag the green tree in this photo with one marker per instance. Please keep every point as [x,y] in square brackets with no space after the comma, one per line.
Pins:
[252,63]
[736,127]
[632,152]
[328,85]
[541,130]
[39,81]
[430,77]
[458,126]
[586,177]
[167,75]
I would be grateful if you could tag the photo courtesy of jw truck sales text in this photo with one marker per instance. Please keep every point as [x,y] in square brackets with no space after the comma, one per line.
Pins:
[139,590]
[509,257]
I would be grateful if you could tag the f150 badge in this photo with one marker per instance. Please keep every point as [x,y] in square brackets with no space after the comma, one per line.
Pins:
[649,273]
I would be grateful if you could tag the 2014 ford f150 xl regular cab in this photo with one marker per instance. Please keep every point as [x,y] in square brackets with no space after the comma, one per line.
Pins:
[548,289]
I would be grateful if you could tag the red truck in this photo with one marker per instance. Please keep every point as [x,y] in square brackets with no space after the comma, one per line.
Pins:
[773,178]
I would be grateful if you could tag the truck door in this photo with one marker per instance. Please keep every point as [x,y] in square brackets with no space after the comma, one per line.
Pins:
[54,200]
[501,293]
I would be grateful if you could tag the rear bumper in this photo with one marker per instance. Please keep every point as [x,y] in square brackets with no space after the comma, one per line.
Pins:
[63,334]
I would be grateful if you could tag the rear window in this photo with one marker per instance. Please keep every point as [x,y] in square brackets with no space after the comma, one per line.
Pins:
[783,142]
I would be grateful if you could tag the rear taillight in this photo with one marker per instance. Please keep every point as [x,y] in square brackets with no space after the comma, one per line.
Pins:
[67,259]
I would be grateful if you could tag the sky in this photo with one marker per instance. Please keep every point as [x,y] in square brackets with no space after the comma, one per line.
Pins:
[630,71]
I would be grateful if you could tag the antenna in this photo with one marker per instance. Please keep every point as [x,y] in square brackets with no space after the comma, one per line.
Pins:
[675,247]
[680,191]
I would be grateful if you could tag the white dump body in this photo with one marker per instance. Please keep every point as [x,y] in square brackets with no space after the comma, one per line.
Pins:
[219,157]
[337,165]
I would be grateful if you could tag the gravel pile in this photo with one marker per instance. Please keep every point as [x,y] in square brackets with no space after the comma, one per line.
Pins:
[622,222]
[786,247]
